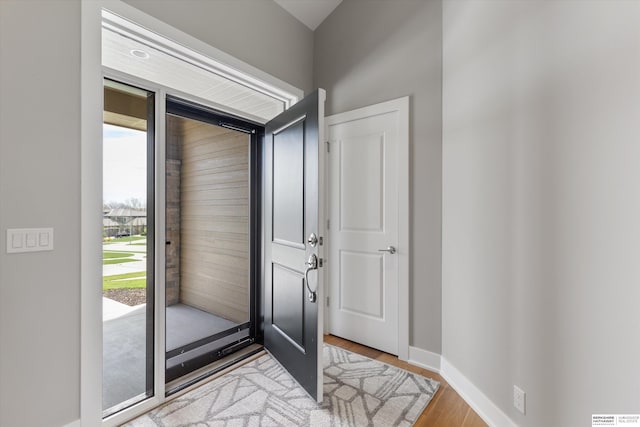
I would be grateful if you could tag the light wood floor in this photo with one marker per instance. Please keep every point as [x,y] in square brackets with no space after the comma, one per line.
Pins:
[446,409]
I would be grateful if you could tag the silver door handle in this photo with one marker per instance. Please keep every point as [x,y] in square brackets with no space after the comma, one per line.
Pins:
[390,249]
[312,264]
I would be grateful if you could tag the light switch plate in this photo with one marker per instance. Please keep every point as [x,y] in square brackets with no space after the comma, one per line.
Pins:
[29,240]
[519,399]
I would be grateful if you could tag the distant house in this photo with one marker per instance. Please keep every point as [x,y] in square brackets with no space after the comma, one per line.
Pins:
[109,227]
[124,220]
[137,225]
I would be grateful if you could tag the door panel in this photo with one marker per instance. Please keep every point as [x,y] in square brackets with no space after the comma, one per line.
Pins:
[361,267]
[288,185]
[362,187]
[364,170]
[293,322]
[288,312]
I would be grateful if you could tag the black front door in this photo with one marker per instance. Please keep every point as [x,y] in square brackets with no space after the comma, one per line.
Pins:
[292,317]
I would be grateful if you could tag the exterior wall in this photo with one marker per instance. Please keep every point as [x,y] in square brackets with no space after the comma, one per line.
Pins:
[214,220]
[172,215]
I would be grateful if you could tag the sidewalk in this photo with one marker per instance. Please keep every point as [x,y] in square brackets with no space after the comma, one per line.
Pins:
[113,309]
[126,267]
[126,247]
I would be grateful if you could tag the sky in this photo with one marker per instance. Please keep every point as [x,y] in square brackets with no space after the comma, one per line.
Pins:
[124,164]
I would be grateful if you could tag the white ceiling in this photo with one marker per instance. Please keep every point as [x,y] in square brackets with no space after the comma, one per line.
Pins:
[310,12]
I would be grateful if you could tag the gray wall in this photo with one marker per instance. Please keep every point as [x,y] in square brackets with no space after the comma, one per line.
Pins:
[259,33]
[541,185]
[40,187]
[372,51]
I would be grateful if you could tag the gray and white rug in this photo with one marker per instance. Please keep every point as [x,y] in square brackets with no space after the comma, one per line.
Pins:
[358,391]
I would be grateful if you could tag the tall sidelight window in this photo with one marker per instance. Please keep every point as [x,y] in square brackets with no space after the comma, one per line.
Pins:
[128,246]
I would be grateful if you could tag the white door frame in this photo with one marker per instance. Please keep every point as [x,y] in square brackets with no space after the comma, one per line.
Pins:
[91,74]
[401,106]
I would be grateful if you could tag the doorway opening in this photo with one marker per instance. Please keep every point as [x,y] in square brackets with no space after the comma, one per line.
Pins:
[211,226]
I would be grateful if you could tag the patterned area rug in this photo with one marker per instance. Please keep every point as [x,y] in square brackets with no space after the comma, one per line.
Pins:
[357,392]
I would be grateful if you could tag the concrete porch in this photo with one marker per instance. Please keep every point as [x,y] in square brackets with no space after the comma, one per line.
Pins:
[124,341]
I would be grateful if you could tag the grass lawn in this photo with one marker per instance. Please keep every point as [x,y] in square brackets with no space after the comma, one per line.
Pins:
[125,281]
[113,254]
[125,239]
[117,261]
[114,257]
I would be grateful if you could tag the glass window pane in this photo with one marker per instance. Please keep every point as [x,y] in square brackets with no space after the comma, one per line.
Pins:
[127,284]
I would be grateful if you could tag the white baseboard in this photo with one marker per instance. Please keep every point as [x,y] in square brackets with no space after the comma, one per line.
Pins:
[424,359]
[480,403]
[75,423]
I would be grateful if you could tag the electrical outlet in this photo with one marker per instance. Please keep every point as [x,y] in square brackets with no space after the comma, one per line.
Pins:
[519,399]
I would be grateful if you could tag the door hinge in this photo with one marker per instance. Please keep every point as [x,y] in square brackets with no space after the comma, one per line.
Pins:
[328,224]
[328,302]
[328,146]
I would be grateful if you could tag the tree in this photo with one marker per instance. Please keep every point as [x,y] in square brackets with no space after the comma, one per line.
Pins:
[131,203]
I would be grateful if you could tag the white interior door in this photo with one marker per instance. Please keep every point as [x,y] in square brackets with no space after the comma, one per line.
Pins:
[368,232]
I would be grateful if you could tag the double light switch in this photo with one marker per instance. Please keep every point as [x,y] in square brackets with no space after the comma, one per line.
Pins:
[29,240]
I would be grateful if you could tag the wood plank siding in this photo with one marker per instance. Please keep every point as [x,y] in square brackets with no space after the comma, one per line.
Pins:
[214,219]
